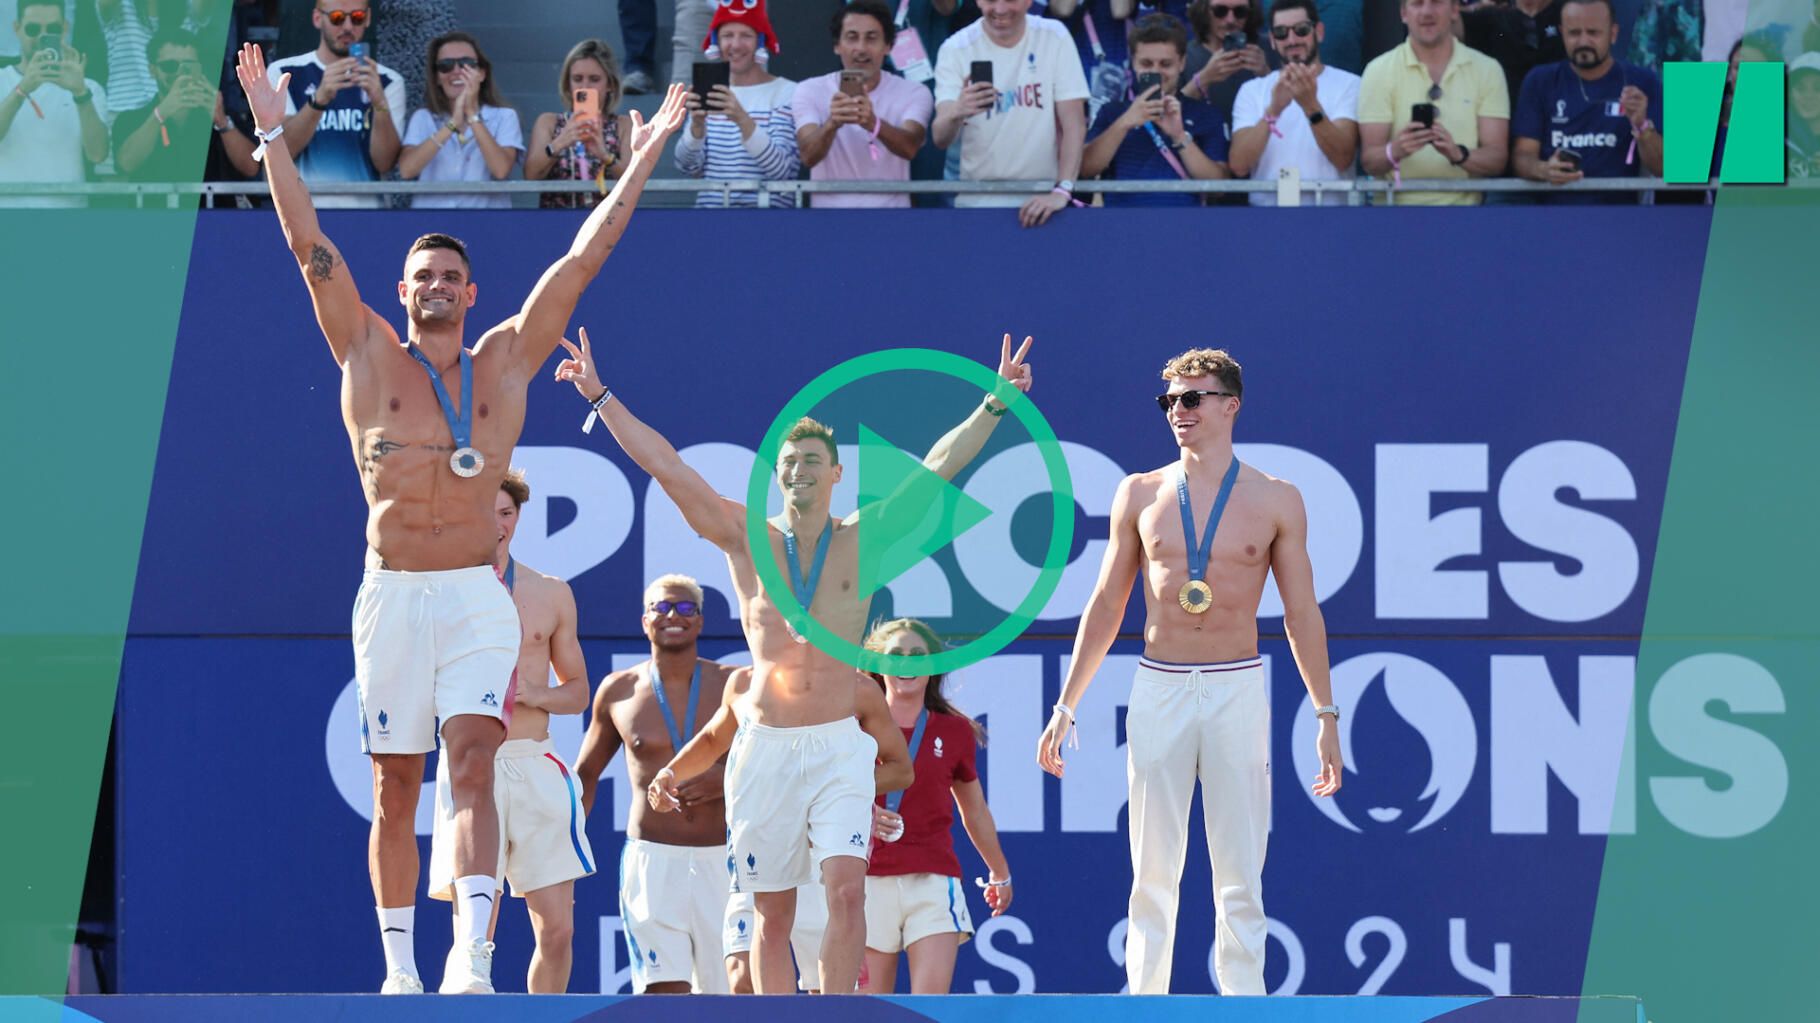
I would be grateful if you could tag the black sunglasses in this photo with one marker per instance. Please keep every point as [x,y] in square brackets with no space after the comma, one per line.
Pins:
[1222,11]
[1302,29]
[1189,399]
[448,64]
[35,29]
[685,608]
[359,18]
[172,67]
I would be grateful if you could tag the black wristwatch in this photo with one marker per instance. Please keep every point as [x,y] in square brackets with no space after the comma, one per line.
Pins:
[321,107]
[1176,145]
[547,151]
[1465,154]
[1317,117]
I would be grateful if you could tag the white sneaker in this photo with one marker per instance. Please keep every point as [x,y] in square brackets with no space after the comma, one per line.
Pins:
[472,977]
[399,982]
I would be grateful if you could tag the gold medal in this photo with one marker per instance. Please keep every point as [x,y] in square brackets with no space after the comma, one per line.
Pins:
[1196,597]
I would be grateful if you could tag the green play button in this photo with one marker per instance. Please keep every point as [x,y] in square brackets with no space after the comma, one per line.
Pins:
[907,512]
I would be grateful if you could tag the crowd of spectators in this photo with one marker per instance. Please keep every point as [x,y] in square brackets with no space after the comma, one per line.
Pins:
[1063,91]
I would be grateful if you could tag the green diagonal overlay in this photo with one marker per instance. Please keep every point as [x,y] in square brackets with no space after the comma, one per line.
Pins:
[1708,910]
[92,298]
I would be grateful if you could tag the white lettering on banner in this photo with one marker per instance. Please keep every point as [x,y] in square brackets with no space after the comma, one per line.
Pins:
[1003,483]
[603,510]
[1559,139]
[1604,550]
[984,943]
[1412,544]
[614,978]
[1393,956]
[1336,526]
[1496,979]
[1424,698]
[1678,717]
[1005,692]
[1532,734]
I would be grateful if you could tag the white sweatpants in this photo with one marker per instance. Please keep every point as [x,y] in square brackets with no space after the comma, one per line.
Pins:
[1211,722]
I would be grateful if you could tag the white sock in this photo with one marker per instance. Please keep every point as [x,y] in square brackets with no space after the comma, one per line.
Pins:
[476,894]
[396,926]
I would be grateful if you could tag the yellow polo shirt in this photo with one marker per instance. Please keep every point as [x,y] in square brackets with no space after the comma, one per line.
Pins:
[1472,87]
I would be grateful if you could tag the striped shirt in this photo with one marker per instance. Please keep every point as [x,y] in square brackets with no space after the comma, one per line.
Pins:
[769,154]
[129,76]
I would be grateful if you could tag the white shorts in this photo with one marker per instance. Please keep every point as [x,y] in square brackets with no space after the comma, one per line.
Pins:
[543,835]
[903,909]
[429,646]
[795,797]
[672,901]
[805,932]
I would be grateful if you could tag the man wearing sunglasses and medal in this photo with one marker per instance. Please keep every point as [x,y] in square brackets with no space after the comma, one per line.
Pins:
[673,872]
[1202,535]
[802,773]
[431,425]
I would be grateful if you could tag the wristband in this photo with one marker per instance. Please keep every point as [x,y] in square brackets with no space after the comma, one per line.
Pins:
[872,143]
[594,407]
[36,109]
[265,139]
[164,132]
[1063,708]
[986,403]
[1396,166]
[1330,709]
[319,107]
[83,99]
[983,883]
[1272,122]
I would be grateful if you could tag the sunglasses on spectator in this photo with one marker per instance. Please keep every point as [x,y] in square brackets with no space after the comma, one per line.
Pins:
[448,64]
[33,29]
[1302,30]
[1189,399]
[1222,11]
[359,18]
[173,67]
[685,608]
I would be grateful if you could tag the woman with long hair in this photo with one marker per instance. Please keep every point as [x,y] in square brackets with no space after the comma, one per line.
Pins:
[580,145]
[915,899]
[465,131]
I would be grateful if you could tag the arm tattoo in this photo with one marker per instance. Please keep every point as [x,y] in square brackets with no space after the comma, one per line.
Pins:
[322,263]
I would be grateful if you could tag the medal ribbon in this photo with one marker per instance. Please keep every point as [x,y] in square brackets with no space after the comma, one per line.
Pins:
[896,799]
[460,427]
[804,589]
[1199,551]
[663,703]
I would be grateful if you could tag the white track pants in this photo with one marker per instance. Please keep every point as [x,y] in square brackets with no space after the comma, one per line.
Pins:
[1211,722]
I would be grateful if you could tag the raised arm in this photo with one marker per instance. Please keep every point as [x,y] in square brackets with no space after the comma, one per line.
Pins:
[1306,627]
[894,770]
[344,319]
[603,740]
[546,312]
[1099,622]
[720,521]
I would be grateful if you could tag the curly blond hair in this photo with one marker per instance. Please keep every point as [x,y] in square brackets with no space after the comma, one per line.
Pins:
[1207,362]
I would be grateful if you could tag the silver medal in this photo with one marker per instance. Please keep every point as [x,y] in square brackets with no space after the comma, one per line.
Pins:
[467,462]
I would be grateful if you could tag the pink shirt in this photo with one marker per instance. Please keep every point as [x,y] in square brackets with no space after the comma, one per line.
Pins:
[896,102]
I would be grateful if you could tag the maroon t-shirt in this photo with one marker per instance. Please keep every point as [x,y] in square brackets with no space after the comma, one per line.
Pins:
[946,756]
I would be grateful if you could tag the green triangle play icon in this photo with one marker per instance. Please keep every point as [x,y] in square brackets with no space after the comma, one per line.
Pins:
[907,512]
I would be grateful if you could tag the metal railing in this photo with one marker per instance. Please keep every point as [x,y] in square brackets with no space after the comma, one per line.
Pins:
[171,193]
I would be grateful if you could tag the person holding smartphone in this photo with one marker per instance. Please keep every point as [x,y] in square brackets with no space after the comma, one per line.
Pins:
[582,143]
[344,111]
[1433,107]
[858,123]
[741,126]
[465,132]
[916,900]
[53,118]
[1155,134]
[161,141]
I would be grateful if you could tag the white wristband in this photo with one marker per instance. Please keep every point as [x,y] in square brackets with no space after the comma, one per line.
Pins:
[595,406]
[265,139]
[1062,708]
[983,883]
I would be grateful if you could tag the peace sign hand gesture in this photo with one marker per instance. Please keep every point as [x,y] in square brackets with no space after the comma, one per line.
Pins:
[1013,368]
[580,370]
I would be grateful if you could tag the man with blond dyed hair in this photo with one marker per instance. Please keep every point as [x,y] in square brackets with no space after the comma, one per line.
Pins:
[673,871]
[804,775]
[1205,532]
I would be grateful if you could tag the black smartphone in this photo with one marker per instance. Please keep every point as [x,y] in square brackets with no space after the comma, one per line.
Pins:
[1423,114]
[1569,157]
[1234,41]
[1146,81]
[980,72]
[708,74]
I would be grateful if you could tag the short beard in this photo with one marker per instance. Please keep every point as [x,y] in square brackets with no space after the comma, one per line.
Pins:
[1597,58]
[339,51]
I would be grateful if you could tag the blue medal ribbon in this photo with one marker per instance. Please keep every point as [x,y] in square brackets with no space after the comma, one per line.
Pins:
[461,426]
[663,703]
[511,574]
[804,589]
[896,799]
[1199,551]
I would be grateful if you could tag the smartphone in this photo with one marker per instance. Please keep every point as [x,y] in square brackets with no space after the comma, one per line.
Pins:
[981,72]
[360,51]
[1145,82]
[1423,114]
[852,83]
[1234,41]
[1569,157]
[708,74]
[587,105]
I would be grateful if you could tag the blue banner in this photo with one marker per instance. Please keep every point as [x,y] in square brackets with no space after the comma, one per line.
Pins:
[1478,416]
